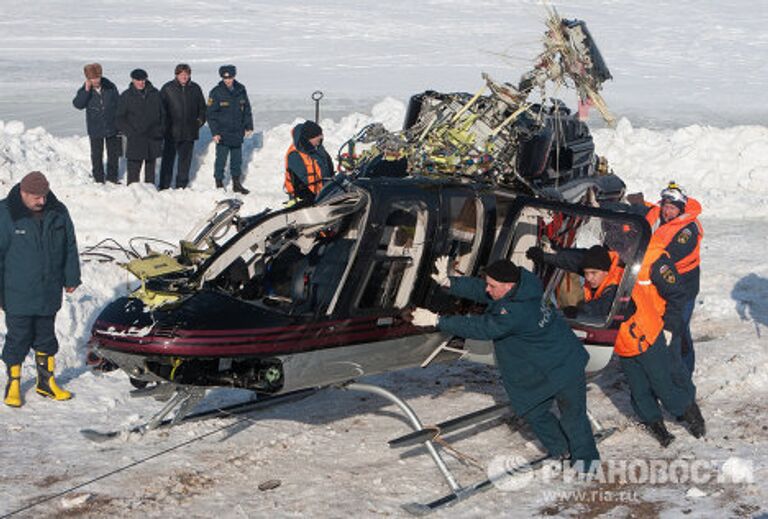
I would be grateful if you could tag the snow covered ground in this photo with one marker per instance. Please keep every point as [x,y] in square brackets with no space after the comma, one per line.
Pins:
[689,84]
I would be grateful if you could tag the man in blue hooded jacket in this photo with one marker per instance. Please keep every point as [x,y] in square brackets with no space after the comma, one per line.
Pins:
[230,120]
[308,167]
[38,259]
[539,357]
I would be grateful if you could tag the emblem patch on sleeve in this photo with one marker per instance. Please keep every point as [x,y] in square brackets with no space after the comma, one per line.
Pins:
[210,101]
[684,235]
[668,274]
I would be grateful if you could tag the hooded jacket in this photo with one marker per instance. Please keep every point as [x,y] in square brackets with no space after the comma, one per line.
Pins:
[100,108]
[185,109]
[307,168]
[38,256]
[229,113]
[536,352]
[141,118]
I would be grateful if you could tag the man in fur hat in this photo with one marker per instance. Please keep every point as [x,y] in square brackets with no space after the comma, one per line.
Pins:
[38,259]
[230,120]
[98,97]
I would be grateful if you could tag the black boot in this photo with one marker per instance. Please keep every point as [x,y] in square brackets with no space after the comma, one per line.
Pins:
[659,431]
[219,183]
[237,187]
[695,421]
[46,384]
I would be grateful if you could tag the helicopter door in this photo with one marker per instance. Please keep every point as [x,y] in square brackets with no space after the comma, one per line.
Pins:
[389,280]
[557,226]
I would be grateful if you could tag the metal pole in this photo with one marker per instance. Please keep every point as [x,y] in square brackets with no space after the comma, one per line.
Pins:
[415,423]
[317,95]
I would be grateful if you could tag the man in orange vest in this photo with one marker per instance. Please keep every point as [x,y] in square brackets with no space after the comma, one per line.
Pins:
[307,165]
[641,344]
[601,268]
[675,225]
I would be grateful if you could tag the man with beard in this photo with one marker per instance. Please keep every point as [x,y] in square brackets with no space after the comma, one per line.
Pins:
[38,258]
[184,107]
[98,97]
[140,117]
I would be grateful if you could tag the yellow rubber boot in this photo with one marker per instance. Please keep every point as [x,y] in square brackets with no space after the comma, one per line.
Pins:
[13,387]
[46,384]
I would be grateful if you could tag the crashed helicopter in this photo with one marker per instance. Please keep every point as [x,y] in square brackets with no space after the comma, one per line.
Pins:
[313,296]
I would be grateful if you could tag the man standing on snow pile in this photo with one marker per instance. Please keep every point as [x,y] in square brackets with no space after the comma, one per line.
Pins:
[99,97]
[185,108]
[38,258]
[140,117]
[230,120]
[307,165]
[539,357]
[675,225]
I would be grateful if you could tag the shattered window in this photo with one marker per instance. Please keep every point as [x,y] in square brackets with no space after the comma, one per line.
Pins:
[465,222]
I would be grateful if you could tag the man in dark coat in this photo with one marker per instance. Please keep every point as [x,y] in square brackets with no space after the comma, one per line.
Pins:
[185,108]
[140,117]
[539,357]
[98,97]
[230,120]
[38,258]
[308,167]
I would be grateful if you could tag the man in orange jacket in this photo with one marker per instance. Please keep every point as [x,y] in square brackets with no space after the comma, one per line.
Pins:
[676,227]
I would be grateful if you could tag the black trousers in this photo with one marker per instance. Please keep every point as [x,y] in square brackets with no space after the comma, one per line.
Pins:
[134,167]
[26,332]
[114,147]
[170,150]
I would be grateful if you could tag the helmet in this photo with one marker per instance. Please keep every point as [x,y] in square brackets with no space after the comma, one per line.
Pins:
[675,194]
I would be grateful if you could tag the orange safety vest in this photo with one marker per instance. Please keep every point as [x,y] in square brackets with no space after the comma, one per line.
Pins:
[665,233]
[641,330]
[314,174]
[613,278]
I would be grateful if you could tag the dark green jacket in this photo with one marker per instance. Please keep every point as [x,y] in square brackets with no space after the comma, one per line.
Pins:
[38,257]
[536,351]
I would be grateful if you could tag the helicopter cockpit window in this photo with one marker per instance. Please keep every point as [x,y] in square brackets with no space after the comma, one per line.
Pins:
[564,236]
[293,262]
[392,274]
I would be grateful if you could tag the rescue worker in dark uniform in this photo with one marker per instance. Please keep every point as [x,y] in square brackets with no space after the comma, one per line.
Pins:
[98,97]
[38,261]
[538,355]
[141,118]
[675,224]
[602,271]
[185,108]
[308,167]
[230,119]
[642,346]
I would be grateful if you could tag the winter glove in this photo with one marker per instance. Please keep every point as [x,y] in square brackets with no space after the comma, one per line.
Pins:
[424,317]
[570,311]
[667,337]
[535,254]
[441,277]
